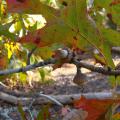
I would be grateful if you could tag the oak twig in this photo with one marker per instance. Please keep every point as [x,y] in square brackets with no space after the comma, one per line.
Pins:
[30,54]
[101,70]
[28,67]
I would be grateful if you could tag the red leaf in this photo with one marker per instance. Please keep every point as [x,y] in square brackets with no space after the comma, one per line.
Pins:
[17,5]
[3,62]
[34,38]
[95,108]
[115,2]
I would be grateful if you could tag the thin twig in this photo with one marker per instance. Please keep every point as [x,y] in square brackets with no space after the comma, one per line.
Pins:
[101,70]
[30,54]
[31,115]
[28,67]
[52,99]
[29,109]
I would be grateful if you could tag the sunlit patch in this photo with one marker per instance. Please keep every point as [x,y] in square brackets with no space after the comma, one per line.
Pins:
[39,19]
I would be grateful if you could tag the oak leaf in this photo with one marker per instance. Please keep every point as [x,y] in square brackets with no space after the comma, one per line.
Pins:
[95,108]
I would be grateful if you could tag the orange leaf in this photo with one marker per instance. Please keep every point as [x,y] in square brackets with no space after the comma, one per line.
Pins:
[17,5]
[34,38]
[116,116]
[95,108]
[115,2]
[3,62]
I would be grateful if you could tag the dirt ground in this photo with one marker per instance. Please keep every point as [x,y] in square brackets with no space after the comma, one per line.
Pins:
[63,84]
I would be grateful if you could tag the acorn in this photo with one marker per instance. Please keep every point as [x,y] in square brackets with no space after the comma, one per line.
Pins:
[80,78]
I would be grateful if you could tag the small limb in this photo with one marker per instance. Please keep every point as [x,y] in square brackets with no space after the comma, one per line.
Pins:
[96,69]
[31,115]
[30,54]
[28,67]
[30,107]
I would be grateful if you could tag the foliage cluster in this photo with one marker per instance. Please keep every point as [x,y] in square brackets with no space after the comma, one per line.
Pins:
[46,25]
[49,24]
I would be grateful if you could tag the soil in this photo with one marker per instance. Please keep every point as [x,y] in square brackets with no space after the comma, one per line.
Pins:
[63,84]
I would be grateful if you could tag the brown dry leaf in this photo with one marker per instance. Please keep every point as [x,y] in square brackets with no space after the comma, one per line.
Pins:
[3,62]
[76,115]
[96,108]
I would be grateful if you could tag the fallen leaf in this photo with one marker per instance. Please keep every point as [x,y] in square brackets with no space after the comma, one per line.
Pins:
[95,108]
[116,116]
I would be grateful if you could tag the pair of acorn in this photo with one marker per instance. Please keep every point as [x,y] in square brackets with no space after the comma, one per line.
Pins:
[81,78]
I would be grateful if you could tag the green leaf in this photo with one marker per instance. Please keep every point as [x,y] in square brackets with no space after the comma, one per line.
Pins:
[99,4]
[112,81]
[108,29]
[45,52]
[42,74]
[110,8]
[44,113]
[70,23]
[40,116]
[118,80]
[75,16]
[106,50]
[114,11]
[32,59]
[4,30]
[21,111]
[23,77]
[111,36]
[32,7]
[99,59]
[18,26]
[109,113]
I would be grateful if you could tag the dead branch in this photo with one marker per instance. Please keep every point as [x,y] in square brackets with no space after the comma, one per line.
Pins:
[64,99]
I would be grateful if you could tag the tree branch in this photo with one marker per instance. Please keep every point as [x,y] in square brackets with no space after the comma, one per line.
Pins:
[28,67]
[101,70]
[63,99]
[97,69]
